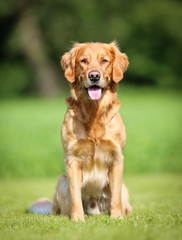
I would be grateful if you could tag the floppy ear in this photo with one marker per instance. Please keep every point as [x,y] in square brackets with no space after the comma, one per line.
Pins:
[68,63]
[120,63]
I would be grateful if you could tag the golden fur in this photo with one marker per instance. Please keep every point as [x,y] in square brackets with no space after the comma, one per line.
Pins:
[93,135]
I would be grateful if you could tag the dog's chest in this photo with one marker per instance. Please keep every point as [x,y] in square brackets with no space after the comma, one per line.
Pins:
[94,180]
[96,131]
[95,169]
[97,178]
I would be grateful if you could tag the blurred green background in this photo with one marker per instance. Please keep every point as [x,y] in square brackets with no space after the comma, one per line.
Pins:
[34,34]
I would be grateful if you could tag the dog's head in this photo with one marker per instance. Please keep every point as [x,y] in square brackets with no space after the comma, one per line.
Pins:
[94,66]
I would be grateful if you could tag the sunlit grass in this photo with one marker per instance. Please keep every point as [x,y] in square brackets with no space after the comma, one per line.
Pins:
[30,147]
[156,201]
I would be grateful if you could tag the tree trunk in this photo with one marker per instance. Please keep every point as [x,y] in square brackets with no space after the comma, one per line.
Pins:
[45,74]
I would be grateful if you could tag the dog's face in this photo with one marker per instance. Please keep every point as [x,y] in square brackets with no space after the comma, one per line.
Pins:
[93,66]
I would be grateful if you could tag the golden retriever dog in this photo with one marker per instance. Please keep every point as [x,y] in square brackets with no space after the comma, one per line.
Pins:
[93,134]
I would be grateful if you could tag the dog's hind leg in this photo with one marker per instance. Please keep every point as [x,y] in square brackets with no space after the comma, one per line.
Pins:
[127,209]
[61,201]
[55,206]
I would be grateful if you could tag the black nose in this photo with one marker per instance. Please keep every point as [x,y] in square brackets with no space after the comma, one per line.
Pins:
[94,76]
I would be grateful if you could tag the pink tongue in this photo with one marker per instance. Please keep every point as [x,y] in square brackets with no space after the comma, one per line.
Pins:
[94,93]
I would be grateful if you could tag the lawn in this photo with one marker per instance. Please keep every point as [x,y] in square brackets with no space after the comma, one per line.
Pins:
[30,133]
[156,201]
[31,158]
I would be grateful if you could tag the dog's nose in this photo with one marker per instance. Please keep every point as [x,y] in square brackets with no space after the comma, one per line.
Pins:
[94,76]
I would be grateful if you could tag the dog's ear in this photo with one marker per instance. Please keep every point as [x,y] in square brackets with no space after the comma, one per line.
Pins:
[68,62]
[120,62]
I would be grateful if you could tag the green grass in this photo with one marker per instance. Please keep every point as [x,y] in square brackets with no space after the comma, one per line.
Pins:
[30,133]
[156,201]
[31,151]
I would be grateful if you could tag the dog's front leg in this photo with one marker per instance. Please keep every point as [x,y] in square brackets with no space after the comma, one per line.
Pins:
[115,183]
[74,175]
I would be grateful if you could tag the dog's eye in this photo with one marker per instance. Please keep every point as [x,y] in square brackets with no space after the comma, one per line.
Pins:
[84,61]
[104,60]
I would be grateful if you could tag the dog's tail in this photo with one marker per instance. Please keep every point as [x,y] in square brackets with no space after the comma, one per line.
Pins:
[41,206]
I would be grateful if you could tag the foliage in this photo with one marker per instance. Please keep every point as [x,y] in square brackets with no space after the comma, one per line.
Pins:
[15,79]
[156,201]
[30,134]
[148,31]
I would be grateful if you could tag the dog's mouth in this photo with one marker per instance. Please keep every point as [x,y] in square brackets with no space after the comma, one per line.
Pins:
[95,92]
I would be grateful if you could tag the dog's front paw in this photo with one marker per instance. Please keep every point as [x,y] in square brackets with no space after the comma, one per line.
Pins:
[77,217]
[116,214]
